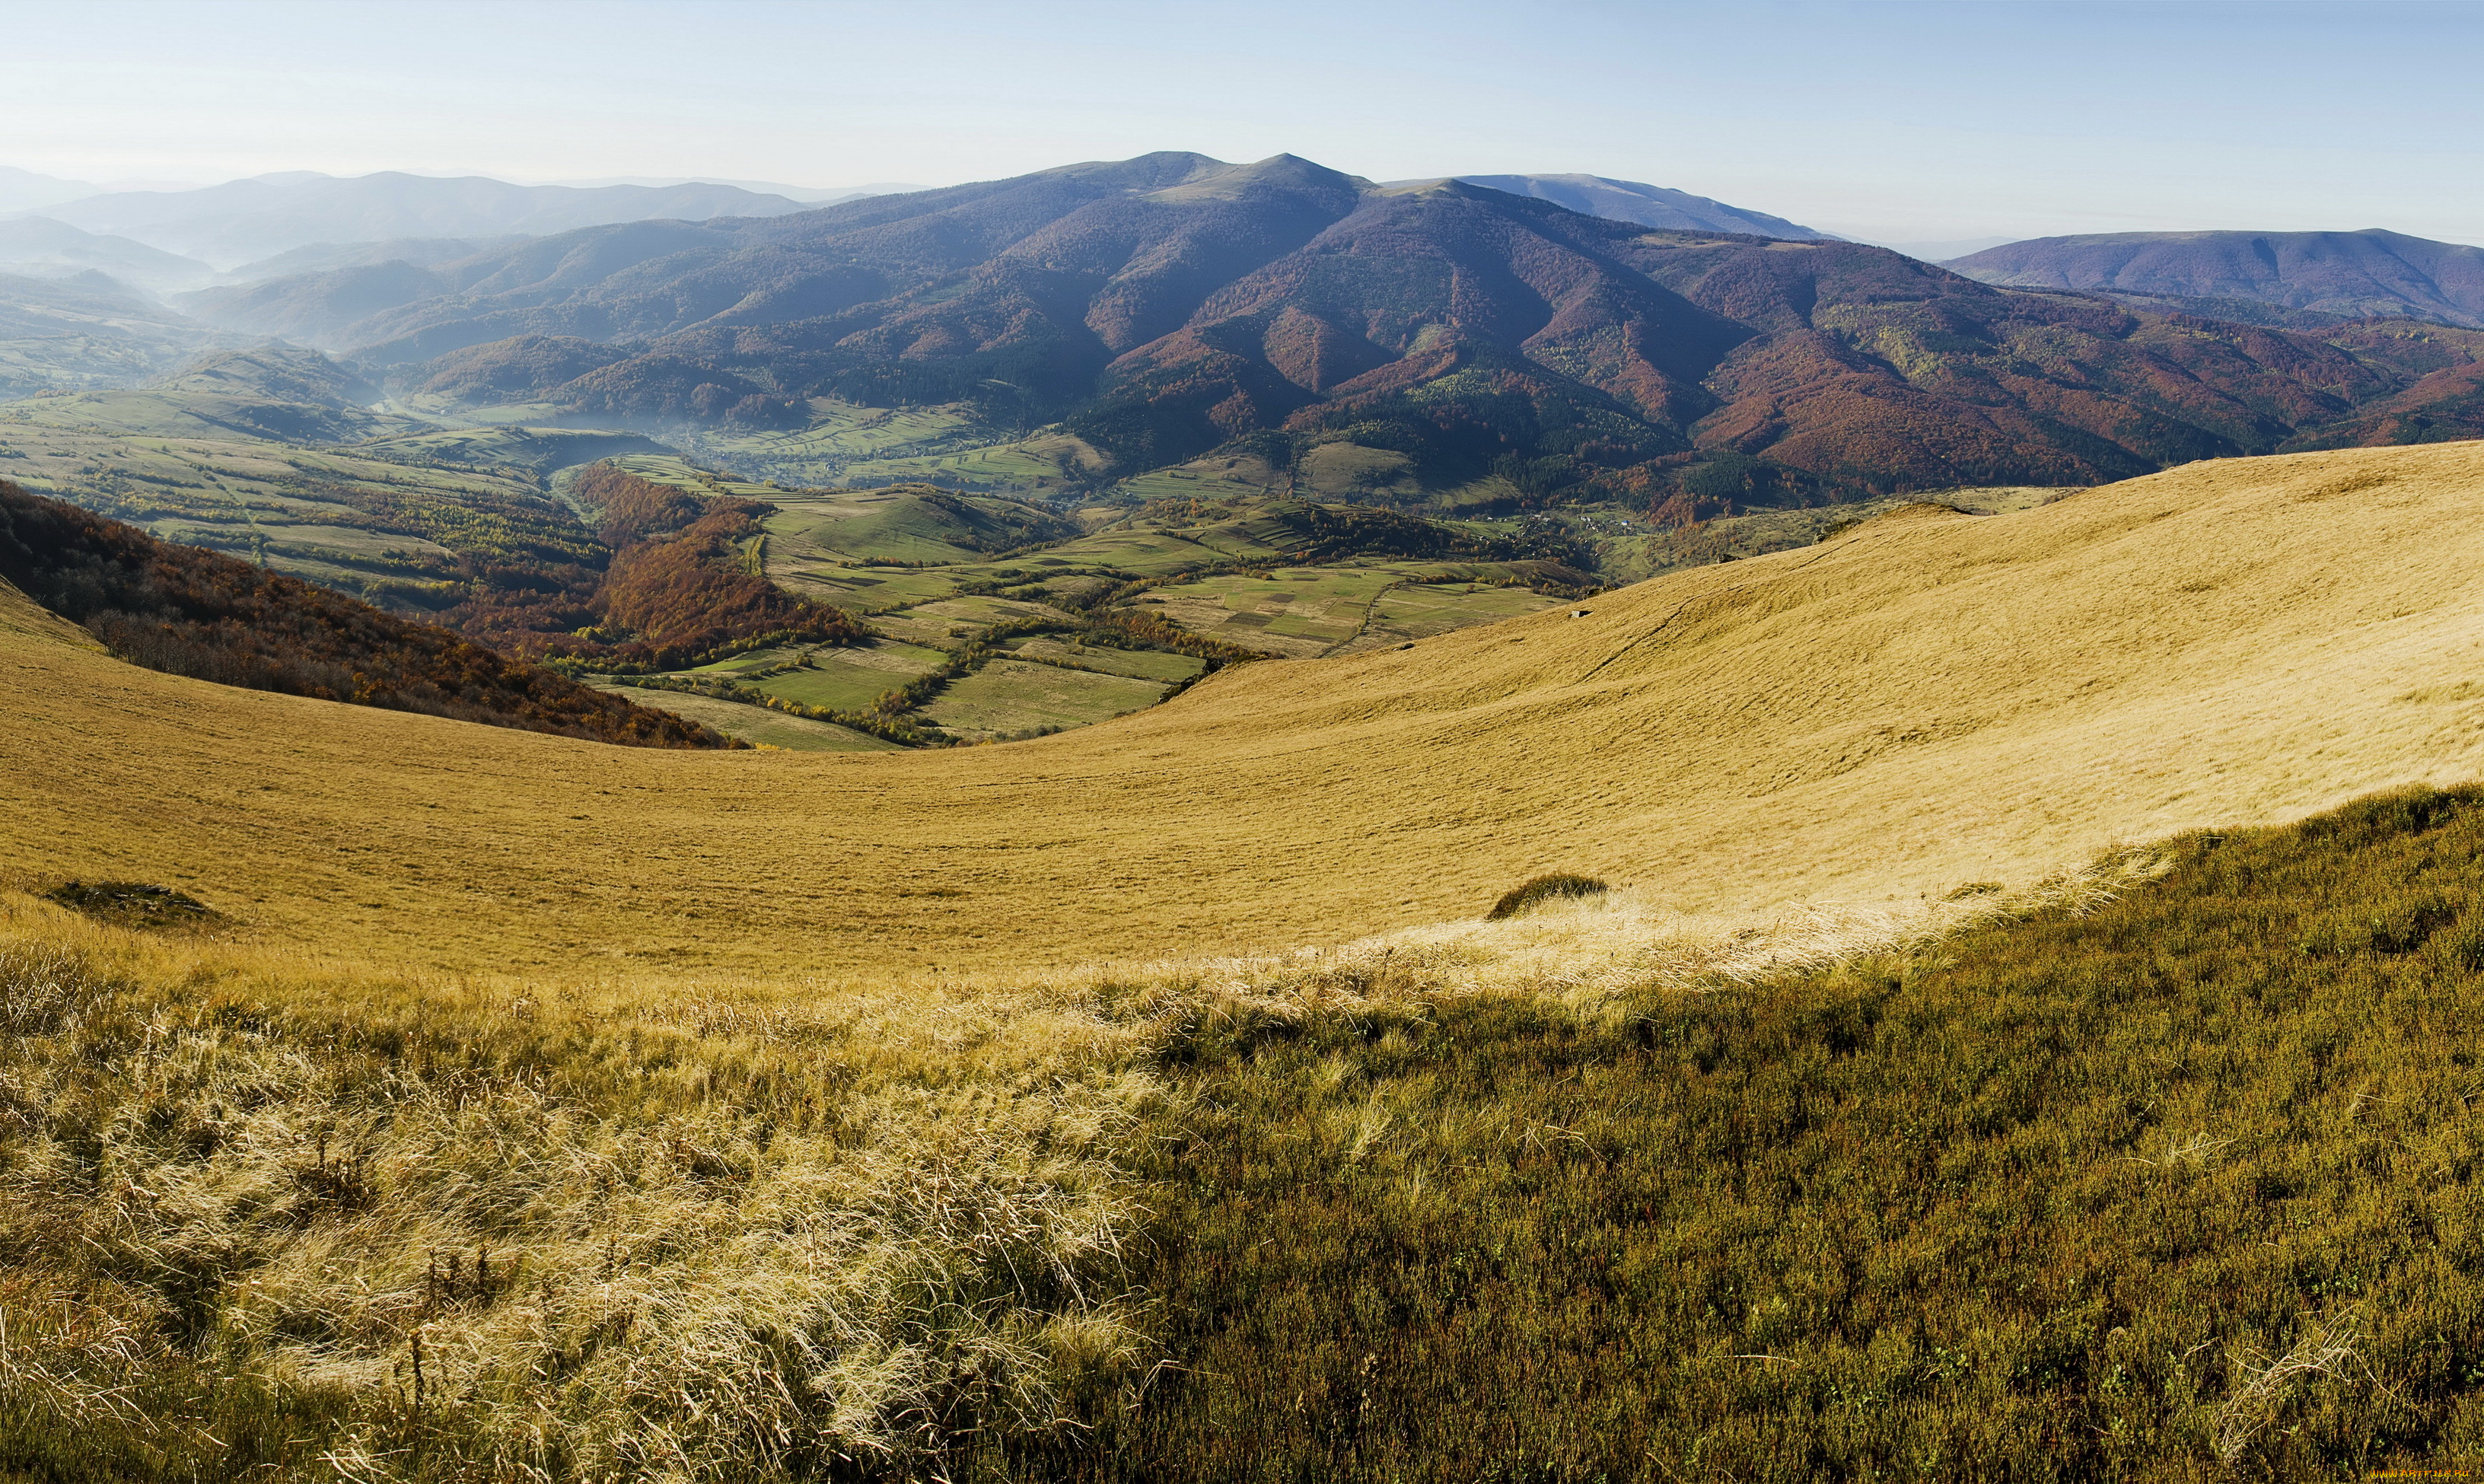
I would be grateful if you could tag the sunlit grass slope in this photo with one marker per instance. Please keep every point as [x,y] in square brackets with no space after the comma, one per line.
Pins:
[1926,700]
[2180,1186]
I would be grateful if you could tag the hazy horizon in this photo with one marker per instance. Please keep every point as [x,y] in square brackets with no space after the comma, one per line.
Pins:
[1895,122]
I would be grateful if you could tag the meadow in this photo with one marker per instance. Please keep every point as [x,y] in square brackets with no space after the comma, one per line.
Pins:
[2159,1168]
[1009,696]
[1926,699]
[1153,1100]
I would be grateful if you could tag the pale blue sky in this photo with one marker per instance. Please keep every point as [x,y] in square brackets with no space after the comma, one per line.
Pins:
[1895,122]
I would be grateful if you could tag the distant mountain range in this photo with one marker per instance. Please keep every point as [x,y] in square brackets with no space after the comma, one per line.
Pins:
[242,221]
[1649,206]
[2302,279]
[1173,302]
[1657,346]
[22,189]
[44,247]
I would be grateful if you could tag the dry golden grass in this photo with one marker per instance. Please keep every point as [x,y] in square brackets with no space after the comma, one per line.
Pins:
[662,1229]
[1926,700]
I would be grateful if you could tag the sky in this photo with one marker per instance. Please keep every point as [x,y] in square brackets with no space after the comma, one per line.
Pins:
[1887,122]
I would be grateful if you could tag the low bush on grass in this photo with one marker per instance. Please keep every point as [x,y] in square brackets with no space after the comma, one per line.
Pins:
[1535,891]
[133,903]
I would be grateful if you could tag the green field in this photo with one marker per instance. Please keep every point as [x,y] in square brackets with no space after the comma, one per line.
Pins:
[692,478]
[1010,697]
[851,678]
[1140,663]
[865,447]
[1300,611]
[1421,609]
[755,724]
[909,524]
[870,590]
[541,449]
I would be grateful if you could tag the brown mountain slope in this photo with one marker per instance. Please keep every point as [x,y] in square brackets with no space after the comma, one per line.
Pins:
[1168,304]
[1484,326]
[1927,700]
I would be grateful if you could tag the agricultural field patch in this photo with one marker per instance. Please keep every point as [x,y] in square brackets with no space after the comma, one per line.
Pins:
[850,445]
[1012,697]
[977,608]
[909,524]
[870,590]
[1345,471]
[1158,551]
[852,677]
[1419,609]
[541,449]
[757,725]
[1203,479]
[1140,663]
[1302,611]
[694,478]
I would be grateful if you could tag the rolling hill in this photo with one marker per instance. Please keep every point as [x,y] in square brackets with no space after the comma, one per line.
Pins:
[44,247]
[1924,700]
[23,190]
[2303,279]
[88,330]
[1172,305]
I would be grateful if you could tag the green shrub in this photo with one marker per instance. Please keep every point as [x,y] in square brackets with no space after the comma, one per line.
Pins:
[133,903]
[1530,894]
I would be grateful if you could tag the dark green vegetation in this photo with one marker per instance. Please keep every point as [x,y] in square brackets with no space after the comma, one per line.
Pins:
[2189,1188]
[2299,278]
[191,611]
[133,903]
[1553,886]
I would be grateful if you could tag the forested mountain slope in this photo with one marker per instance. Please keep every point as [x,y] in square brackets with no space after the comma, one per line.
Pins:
[1172,304]
[2306,278]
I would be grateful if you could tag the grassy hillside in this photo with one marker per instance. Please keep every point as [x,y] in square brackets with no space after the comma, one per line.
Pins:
[2162,1179]
[1926,699]
[2177,1186]
[524,1108]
